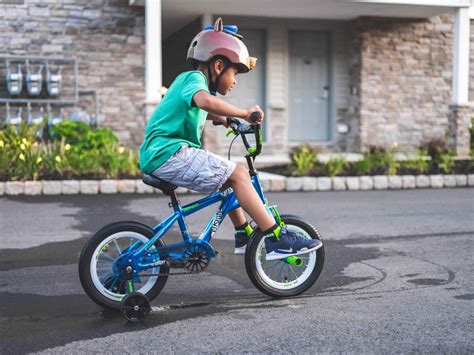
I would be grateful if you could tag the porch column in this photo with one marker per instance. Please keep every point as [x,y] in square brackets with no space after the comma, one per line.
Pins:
[460,111]
[153,61]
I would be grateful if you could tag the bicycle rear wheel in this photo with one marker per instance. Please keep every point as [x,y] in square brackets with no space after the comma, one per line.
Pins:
[282,278]
[96,264]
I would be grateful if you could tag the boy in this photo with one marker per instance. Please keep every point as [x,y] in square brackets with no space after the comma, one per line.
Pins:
[171,150]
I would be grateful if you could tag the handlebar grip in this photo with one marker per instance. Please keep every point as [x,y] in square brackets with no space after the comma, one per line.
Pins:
[254,116]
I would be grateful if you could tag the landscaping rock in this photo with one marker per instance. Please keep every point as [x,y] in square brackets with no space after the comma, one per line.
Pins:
[89,187]
[422,181]
[277,183]
[461,180]
[71,187]
[470,179]
[324,184]
[395,182]
[265,184]
[380,182]
[52,187]
[310,183]
[126,186]
[449,181]
[143,188]
[2,188]
[353,183]
[408,181]
[436,181]
[108,186]
[14,188]
[366,183]
[294,184]
[33,188]
[338,183]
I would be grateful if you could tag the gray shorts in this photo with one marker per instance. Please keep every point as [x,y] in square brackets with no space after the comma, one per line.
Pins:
[196,169]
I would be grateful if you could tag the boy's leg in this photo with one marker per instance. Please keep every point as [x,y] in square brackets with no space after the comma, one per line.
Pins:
[243,230]
[249,199]
[278,245]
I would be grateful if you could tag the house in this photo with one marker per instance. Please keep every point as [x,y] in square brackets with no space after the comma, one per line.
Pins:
[341,75]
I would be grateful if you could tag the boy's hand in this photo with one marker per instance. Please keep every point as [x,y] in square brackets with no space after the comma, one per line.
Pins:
[250,111]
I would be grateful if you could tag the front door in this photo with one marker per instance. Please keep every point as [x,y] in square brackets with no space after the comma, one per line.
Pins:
[309,87]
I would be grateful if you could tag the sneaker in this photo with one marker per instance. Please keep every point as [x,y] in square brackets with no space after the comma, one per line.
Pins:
[290,244]
[241,240]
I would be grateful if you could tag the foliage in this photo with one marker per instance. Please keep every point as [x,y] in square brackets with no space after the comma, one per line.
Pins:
[435,149]
[419,164]
[73,150]
[335,165]
[303,160]
[378,160]
[447,162]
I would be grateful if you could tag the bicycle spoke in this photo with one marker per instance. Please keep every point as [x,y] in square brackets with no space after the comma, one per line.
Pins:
[105,274]
[117,246]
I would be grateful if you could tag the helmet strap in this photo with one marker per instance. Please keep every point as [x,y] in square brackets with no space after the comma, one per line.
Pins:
[213,84]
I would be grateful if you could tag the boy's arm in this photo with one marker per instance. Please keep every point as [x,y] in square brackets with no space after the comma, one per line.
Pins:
[219,107]
[217,119]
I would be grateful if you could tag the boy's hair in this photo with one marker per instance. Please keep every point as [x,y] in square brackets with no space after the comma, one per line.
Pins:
[225,60]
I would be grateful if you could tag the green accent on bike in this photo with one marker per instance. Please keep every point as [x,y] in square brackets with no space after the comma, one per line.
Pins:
[276,215]
[293,260]
[231,132]
[249,230]
[130,287]
[189,208]
[276,232]
[252,150]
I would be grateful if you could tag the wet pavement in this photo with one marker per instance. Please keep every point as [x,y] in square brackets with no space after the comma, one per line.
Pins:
[397,277]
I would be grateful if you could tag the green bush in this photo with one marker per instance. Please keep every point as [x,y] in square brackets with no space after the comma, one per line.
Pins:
[419,164]
[447,162]
[303,160]
[377,160]
[335,166]
[74,150]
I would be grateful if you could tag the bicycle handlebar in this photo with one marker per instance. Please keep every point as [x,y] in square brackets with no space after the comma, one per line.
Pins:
[244,129]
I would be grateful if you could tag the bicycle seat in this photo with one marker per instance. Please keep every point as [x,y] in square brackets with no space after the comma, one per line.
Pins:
[163,185]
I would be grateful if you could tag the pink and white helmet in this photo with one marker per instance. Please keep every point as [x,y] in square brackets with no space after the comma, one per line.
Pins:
[213,42]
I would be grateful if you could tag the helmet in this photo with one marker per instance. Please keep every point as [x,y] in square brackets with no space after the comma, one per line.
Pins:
[220,41]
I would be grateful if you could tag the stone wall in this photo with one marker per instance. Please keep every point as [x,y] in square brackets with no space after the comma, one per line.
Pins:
[402,77]
[107,38]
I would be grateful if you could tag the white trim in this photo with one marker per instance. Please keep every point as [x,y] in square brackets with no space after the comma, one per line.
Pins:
[153,60]
[449,3]
[471,12]
[461,40]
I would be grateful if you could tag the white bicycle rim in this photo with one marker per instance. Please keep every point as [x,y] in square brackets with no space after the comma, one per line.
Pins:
[290,276]
[128,235]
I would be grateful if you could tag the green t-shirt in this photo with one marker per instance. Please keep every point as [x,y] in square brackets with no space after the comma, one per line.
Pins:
[175,122]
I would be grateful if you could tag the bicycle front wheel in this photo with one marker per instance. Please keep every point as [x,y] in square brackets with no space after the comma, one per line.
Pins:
[284,277]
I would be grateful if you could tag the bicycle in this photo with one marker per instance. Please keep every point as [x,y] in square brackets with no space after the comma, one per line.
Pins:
[126,264]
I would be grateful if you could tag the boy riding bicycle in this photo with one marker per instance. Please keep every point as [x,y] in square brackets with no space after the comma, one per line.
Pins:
[172,150]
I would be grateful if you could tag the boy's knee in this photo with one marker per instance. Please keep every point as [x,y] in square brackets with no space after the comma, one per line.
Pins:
[240,173]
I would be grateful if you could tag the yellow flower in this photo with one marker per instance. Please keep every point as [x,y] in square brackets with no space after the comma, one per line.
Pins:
[39,160]
[25,141]
[121,150]
[58,158]
[67,147]
[22,157]
[2,144]
[22,146]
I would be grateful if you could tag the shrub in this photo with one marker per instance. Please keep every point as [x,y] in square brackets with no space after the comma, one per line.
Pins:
[69,153]
[447,162]
[335,166]
[419,163]
[303,160]
[435,149]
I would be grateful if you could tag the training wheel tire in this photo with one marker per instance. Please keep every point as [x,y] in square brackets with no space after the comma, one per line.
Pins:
[135,307]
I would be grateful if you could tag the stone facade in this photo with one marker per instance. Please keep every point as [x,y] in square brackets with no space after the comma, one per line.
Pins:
[459,134]
[402,73]
[106,37]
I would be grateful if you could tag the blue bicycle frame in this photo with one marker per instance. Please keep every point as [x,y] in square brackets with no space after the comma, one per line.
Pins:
[228,203]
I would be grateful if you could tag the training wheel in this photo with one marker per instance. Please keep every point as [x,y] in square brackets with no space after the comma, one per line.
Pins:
[135,307]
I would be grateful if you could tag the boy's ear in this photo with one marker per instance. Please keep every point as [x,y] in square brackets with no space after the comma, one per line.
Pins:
[218,65]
